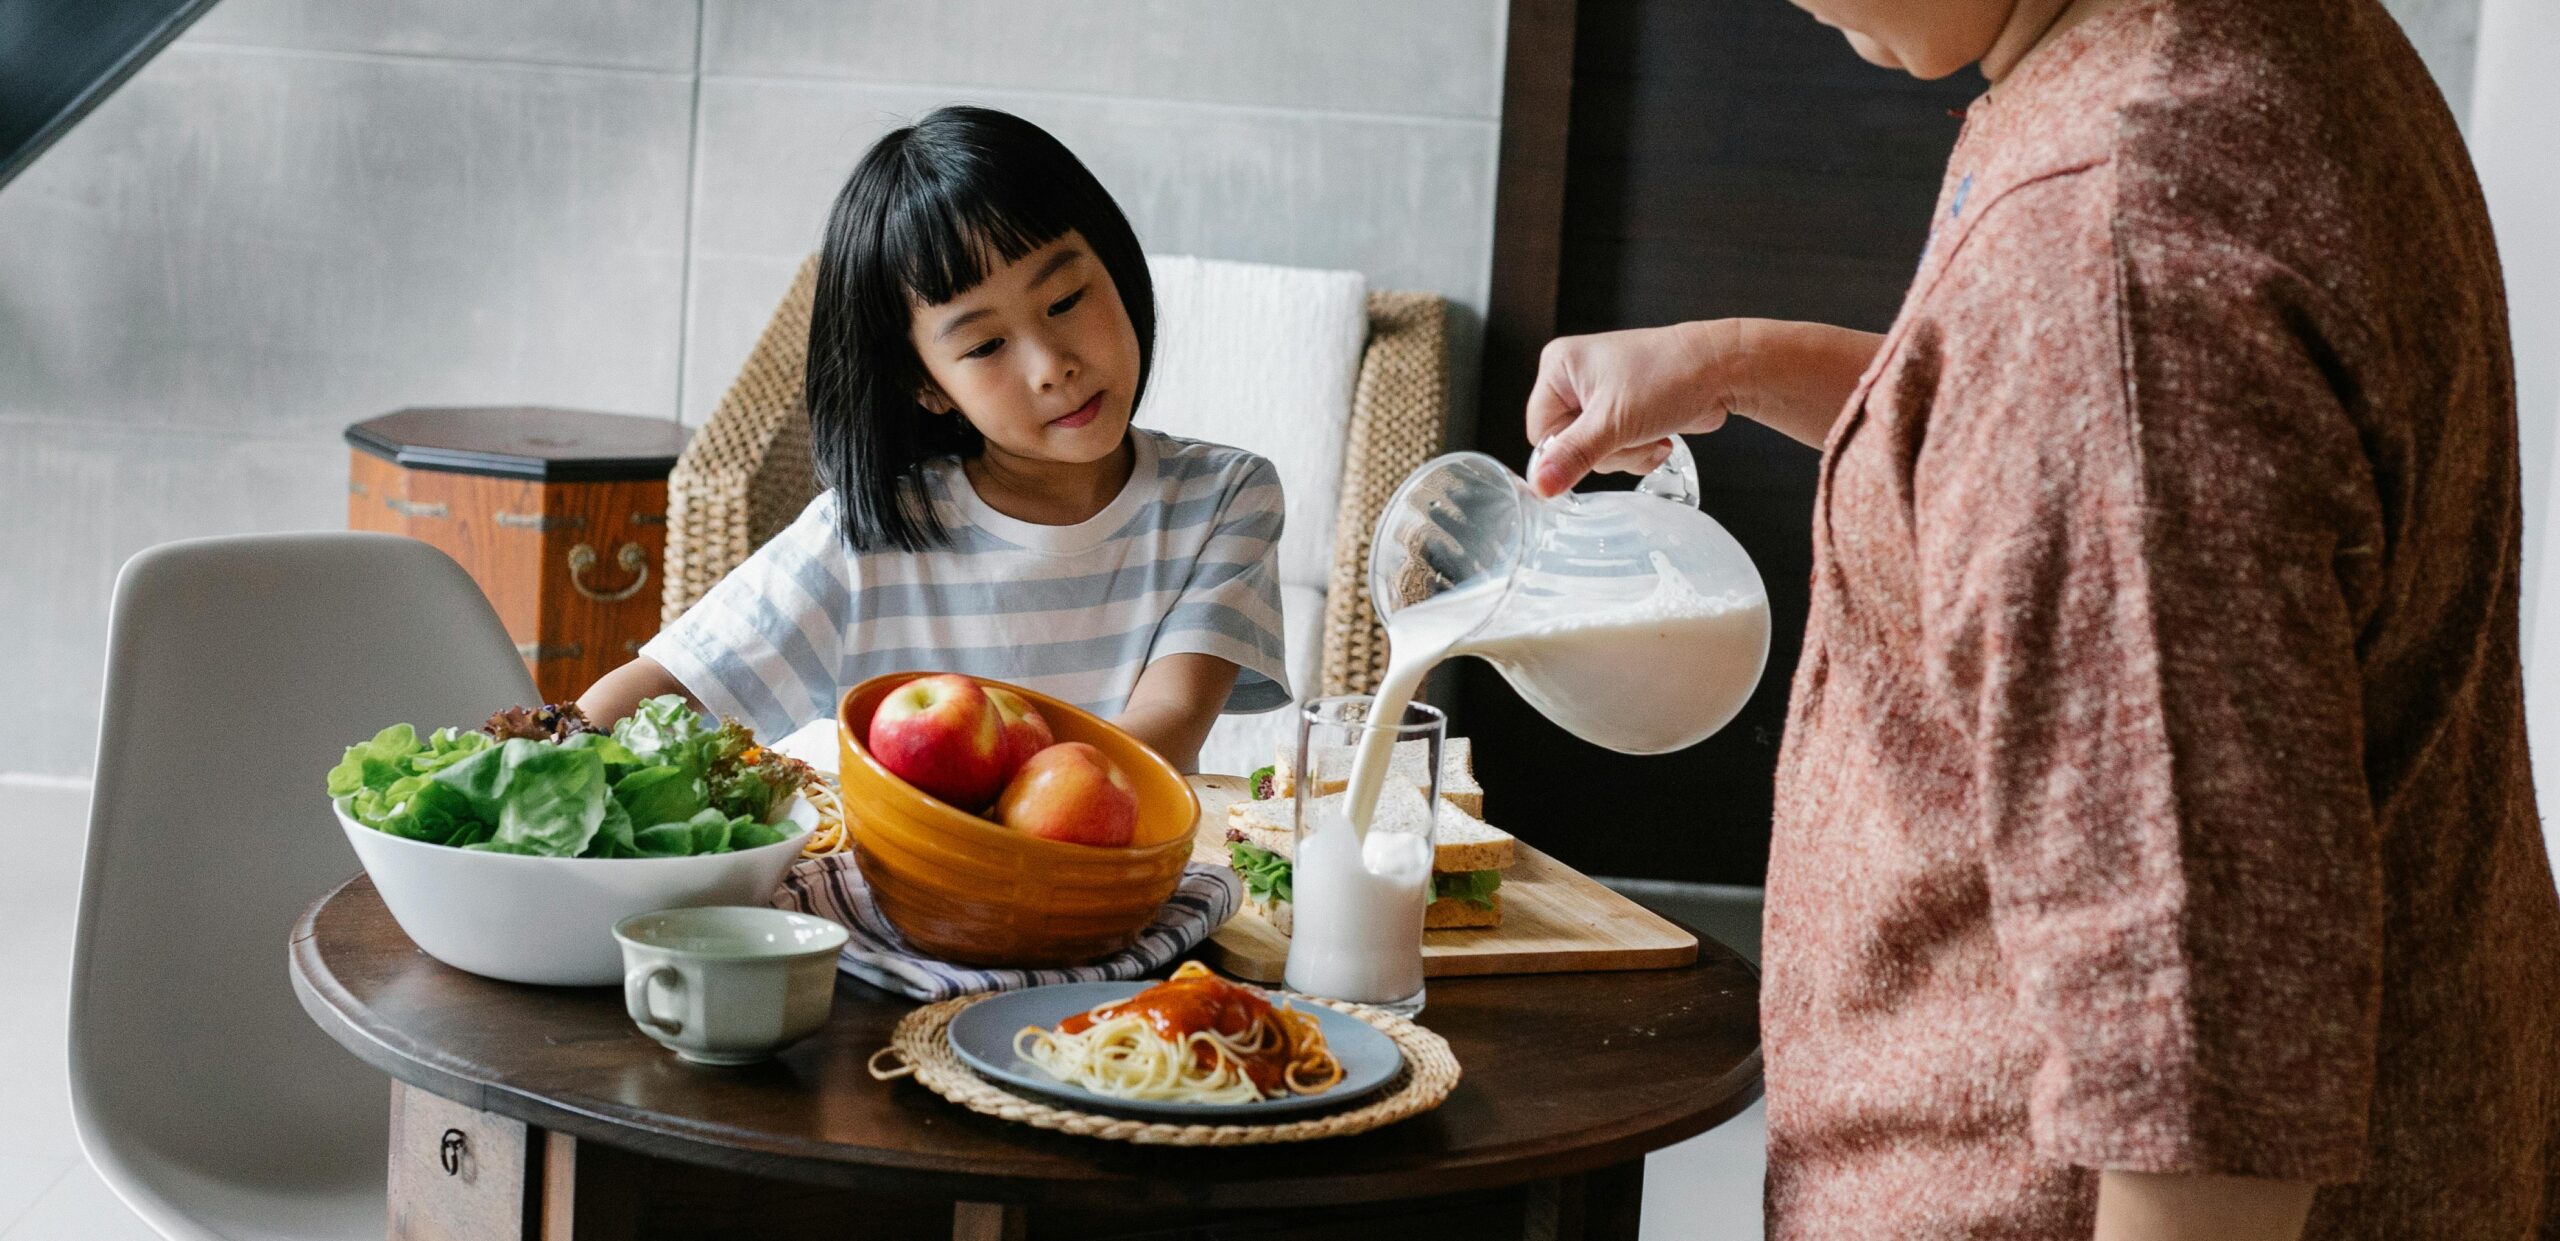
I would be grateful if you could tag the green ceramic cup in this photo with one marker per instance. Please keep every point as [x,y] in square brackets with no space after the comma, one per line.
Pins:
[728,984]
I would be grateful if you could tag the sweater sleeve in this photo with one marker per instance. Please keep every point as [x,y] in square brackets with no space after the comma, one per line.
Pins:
[1230,602]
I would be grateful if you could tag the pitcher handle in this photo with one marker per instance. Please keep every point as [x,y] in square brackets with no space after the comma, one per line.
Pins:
[1676,479]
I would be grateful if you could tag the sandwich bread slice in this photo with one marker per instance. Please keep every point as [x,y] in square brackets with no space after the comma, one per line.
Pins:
[1467,861]
[1457,772]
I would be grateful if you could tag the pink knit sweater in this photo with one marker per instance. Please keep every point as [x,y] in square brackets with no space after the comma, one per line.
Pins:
[2155,792]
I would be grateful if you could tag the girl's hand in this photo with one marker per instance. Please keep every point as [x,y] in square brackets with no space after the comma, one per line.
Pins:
[1610,399]
[620,692]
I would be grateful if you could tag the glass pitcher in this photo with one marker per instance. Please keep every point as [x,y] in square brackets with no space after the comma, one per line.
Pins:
[1632,619]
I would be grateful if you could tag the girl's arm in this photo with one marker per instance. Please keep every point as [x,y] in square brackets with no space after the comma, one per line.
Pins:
[2143,1206]
[620,692]
[1176,700]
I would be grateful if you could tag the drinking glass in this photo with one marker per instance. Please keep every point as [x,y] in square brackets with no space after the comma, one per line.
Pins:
[1358,897]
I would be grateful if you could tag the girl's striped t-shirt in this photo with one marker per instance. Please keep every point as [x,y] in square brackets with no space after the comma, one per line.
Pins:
[1183,560]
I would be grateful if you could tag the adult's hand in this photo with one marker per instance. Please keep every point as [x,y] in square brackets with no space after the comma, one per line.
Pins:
[1610,399]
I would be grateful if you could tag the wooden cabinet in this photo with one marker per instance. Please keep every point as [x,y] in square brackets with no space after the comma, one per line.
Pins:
[559,515]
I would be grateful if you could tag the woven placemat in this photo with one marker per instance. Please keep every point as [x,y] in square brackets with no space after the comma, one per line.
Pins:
[921,1047]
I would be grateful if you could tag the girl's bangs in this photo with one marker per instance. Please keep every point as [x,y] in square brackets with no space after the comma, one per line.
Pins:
[946,238]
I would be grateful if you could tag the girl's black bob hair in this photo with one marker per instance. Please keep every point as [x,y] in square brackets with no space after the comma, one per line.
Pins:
[931,209]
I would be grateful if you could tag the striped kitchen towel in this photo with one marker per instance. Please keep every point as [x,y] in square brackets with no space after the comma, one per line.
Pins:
[832,888]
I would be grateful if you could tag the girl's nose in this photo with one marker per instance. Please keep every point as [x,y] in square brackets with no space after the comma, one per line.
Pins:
[1057,368]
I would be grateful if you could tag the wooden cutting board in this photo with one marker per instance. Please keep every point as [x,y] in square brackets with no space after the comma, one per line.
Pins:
[1555,919]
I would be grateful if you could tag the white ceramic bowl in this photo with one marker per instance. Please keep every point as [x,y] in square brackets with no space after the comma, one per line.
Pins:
[549,920]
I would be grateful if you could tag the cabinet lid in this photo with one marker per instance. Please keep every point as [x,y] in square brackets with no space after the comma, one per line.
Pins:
[522,441]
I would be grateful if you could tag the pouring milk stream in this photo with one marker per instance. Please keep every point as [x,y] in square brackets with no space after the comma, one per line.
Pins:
[1632,619]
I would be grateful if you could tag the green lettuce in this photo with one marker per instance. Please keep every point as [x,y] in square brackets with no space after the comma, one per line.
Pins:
[1475,887]
[663,783]
[1266,874]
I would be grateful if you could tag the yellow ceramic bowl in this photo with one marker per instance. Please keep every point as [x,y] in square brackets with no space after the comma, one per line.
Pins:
[972,891]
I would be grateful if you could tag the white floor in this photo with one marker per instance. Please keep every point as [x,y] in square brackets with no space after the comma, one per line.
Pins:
[1707,1188]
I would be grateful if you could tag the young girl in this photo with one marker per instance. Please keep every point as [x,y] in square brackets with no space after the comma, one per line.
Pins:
[982,332]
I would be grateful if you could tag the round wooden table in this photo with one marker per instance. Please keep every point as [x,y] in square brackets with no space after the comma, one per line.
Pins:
[535,1111]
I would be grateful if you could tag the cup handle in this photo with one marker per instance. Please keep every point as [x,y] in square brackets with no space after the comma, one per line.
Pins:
[635,997]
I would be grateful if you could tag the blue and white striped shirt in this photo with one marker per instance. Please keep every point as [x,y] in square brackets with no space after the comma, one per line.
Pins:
[1183,560]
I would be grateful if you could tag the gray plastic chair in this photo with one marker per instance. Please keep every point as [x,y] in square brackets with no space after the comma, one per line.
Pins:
[238,669]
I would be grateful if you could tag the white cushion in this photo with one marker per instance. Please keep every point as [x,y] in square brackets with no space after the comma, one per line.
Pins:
[1264,358]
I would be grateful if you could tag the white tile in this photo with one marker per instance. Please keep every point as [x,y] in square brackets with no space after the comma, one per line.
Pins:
[41,831]
[2447,35]
[22,1181]
[80,1207]
[733,298]
[291,242]
[1420,57]
[85,498]
[1408,203]
[1708,1186]
[631,34]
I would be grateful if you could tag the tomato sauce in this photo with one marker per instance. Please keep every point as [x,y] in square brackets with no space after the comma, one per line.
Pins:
[1190,1003]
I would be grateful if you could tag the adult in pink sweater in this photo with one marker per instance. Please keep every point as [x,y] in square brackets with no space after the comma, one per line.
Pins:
[2156,852]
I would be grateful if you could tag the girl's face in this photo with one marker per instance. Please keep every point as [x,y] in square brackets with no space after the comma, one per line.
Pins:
[1926,38]
[1041,357]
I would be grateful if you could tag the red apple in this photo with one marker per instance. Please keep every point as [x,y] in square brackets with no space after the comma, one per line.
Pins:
[1025,732]
[940,734]
[1070,792]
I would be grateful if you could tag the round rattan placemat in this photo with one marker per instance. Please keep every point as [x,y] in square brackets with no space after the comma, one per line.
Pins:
[920,1046]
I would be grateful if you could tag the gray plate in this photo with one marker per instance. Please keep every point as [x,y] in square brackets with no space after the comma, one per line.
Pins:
[983,1036]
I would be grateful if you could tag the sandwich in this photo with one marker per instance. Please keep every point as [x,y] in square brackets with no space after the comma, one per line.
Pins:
[1466,864]
[1457,773]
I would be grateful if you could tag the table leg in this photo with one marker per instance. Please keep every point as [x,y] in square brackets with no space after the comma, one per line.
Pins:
[989,1221]
[1603,1205]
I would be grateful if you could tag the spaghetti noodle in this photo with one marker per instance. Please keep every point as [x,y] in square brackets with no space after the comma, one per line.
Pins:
[1195,1038]
[831,835]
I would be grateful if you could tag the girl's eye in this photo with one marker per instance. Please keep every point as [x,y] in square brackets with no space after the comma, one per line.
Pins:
[1067,303]
[986,350]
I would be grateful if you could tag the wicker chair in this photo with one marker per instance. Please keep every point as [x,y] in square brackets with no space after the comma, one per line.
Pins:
[747,473]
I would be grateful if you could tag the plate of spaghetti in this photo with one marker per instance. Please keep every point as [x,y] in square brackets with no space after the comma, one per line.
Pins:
[1195,1046]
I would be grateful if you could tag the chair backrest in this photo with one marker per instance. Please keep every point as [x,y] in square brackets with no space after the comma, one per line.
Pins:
[238,669]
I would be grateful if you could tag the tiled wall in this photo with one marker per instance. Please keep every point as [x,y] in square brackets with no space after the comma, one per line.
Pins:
[306,212]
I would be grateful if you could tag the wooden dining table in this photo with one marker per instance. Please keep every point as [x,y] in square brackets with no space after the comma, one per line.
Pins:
[521,1111]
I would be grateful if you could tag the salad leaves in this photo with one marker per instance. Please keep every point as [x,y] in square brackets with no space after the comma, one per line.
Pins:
[1475,887]
[663,783]
[1267,875]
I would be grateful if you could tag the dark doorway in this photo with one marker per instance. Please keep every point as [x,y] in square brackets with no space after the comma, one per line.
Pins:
[1718,158]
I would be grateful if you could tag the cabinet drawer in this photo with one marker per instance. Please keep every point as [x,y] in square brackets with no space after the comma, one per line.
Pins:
[457,1174]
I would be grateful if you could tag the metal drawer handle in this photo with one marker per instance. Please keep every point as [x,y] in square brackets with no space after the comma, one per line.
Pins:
[536,652]
[412,508]
[536,521]
[449,1152]
[631,558]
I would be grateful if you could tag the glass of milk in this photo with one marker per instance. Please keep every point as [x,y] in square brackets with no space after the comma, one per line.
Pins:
[1367,786]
